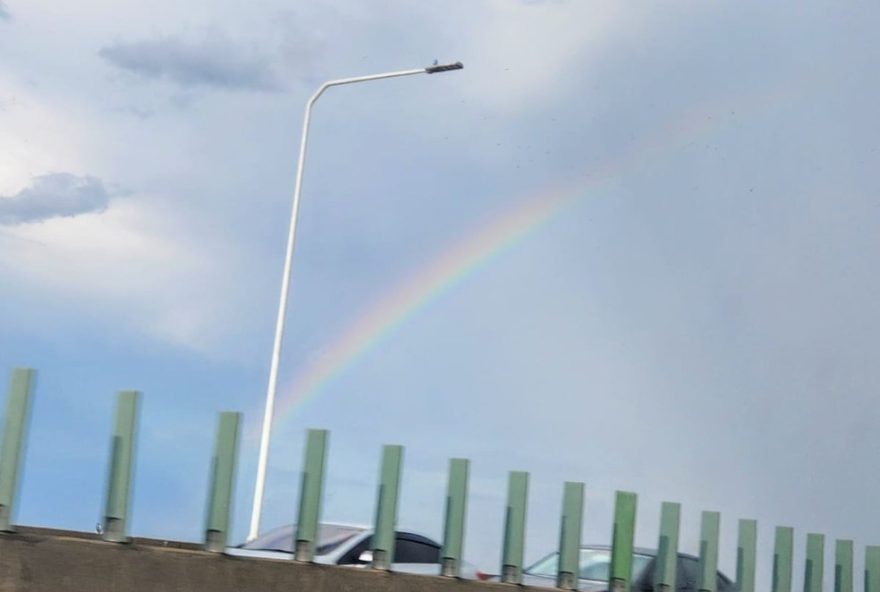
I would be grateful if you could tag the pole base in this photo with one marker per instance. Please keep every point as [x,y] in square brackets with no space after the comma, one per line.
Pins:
[510,574]
[566,581]
[303,552]
[215,541]
[449,568]
[380,560]
[114,531]
[5,519]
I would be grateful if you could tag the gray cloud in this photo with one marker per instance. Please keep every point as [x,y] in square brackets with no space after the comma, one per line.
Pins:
[4,12]
[215,61]
[54,195]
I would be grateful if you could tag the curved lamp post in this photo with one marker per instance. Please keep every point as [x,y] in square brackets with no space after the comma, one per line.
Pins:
[285,279]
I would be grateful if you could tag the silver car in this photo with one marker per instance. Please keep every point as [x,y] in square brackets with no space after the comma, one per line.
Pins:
[349,545]
[594,565]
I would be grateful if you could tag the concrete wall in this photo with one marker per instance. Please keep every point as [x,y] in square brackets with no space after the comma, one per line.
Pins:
[43,560]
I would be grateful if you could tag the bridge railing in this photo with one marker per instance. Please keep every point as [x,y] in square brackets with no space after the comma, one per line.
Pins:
[222,466]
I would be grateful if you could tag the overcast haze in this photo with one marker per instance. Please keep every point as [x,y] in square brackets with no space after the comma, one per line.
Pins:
[701,326]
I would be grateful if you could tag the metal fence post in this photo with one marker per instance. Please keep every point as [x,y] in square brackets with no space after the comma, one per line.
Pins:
[514,527]
[384,534]
[782,549]
[746,547]
[622,541]
[310,493]
[843,566]
[666,573]
[453,529]
[221,481]
[872,568]
[568,571]
[814,568]
[21,385]
[119,475]
[709,530]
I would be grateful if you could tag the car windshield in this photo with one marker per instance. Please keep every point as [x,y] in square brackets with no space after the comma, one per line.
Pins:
[330,536]
[594,565]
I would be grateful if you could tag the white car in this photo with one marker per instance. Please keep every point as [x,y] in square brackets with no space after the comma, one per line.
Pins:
[343,544]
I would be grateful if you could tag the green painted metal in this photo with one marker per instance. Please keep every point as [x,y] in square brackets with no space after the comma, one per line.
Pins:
[814,568]
[386,507]
[782,552]
[514,527]
[710,527]
[843,566]
[310,493]
[121,461]
[453,529]
[746,552]
[570,536]
[222,478]
[18,404]
[667,548]
[622,541]
[872,568]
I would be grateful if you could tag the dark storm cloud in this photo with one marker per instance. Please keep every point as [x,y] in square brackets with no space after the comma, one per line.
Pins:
[214,61]
[54,195]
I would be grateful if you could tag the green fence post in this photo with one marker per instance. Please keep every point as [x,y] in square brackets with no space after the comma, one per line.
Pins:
[872,568]
[746,547]
[709,530]
[21,385]
[310,492]
[386,507]
[222,478]
[843,566]
[667,548]
[622,541]
[121,460]
[782,550]
[453,529]
[514,527]
[571,523]
[814,569]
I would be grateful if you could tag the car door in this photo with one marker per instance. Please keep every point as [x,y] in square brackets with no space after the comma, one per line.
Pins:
[685,577]
[688,575]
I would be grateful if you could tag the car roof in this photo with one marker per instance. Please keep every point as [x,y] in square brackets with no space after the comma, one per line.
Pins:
[639,550]
[359,529]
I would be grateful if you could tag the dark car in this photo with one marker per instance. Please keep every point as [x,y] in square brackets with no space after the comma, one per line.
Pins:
[594,564]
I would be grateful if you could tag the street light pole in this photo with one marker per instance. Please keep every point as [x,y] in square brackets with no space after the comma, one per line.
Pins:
[285,279]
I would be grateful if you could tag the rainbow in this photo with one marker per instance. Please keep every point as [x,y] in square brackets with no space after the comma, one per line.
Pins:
[419,290]
[474,251]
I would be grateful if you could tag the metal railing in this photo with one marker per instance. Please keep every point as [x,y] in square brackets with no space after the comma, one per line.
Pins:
[220,492]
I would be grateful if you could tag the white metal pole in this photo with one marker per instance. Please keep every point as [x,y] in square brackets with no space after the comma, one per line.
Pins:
[263,460]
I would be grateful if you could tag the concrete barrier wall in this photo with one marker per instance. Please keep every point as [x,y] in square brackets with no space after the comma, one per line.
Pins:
[44,560]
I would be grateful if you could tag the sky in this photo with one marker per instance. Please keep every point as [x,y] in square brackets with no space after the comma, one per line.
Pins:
[629,244]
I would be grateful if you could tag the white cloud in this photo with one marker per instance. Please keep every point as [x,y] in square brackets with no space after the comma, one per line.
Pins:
[39,135]
[528,52]
[124,266]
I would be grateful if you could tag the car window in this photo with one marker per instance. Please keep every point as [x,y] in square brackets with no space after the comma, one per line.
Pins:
[594,564]
[408,548]
[411,551]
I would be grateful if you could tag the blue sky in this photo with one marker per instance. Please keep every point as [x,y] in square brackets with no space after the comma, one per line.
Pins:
[700,328]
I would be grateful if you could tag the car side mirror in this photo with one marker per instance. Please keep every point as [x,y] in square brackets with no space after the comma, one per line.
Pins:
[366,557]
